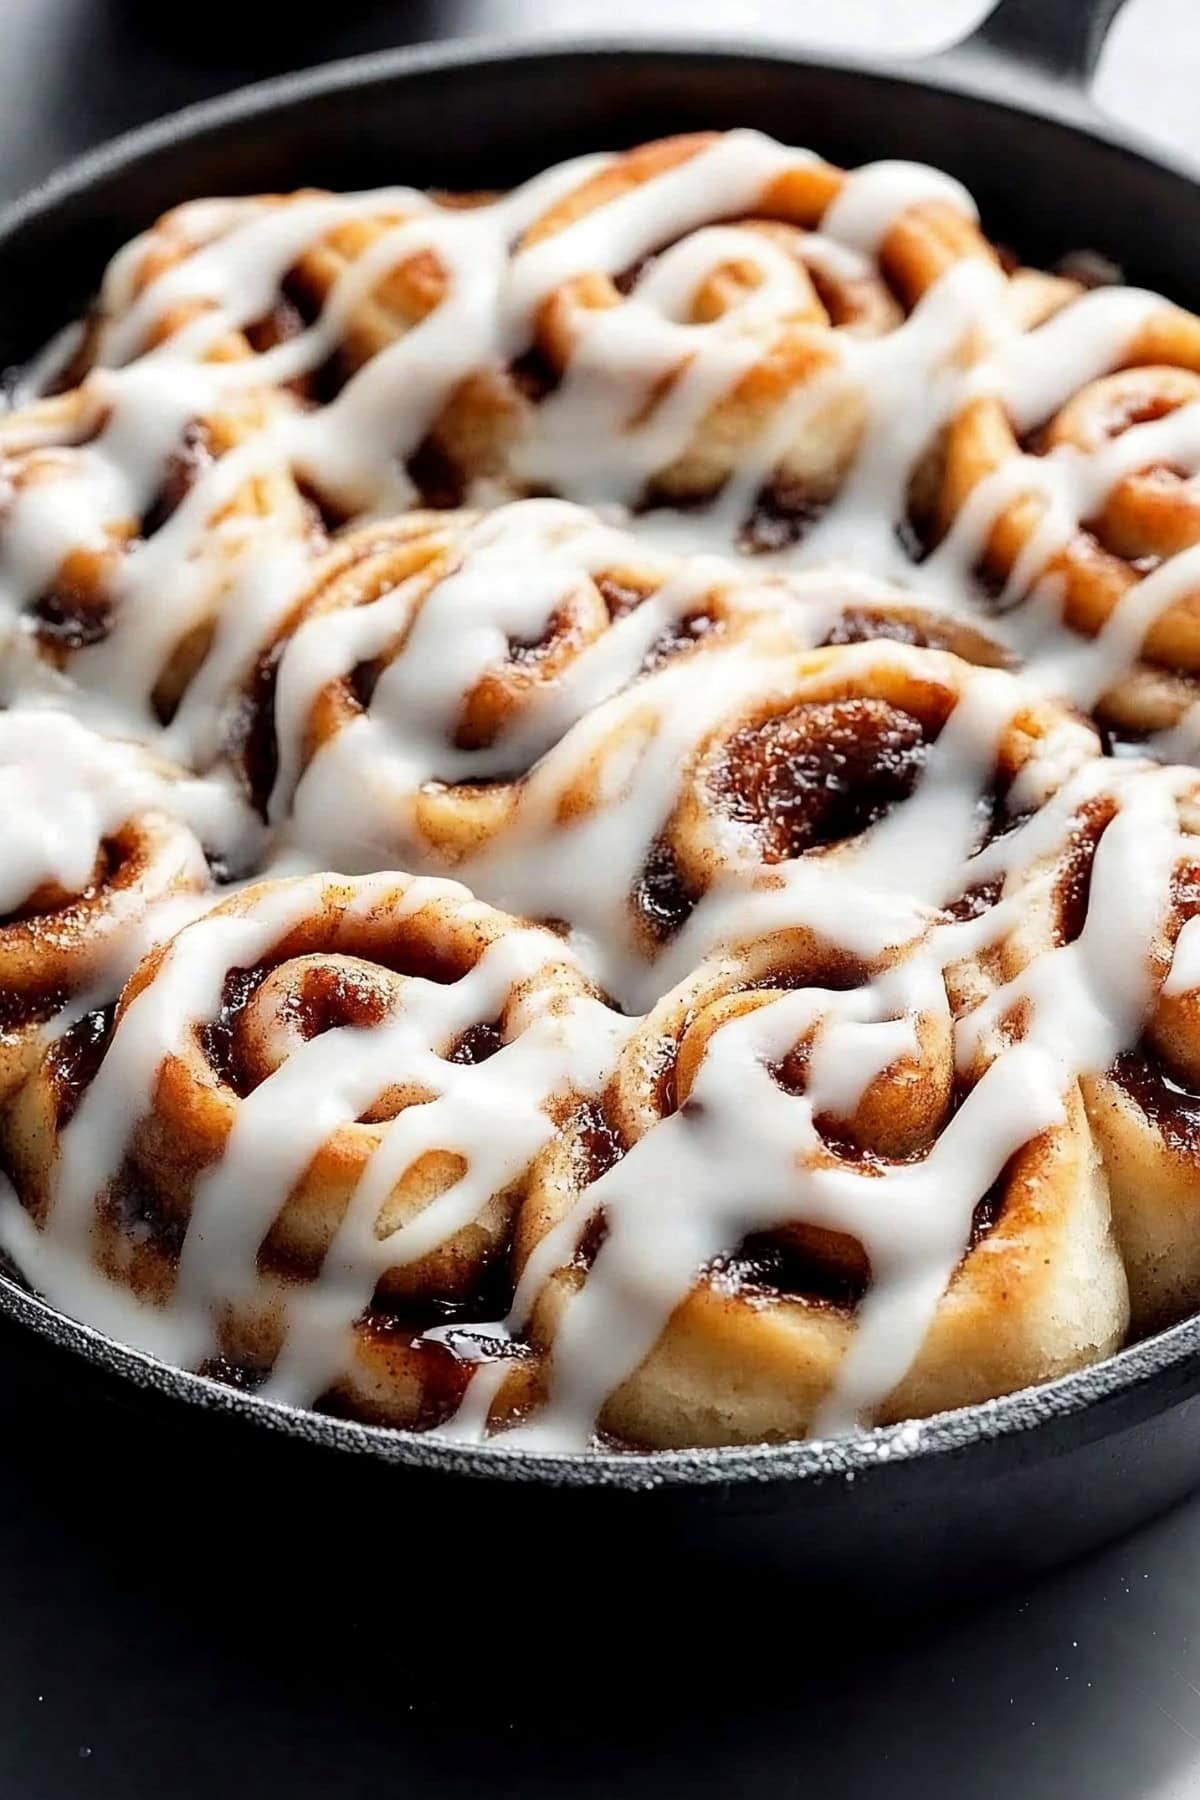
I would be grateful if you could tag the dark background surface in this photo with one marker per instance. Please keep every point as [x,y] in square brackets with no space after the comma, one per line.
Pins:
[159,1635]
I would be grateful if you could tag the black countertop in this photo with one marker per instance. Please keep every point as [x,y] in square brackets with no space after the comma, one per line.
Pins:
[135,1661]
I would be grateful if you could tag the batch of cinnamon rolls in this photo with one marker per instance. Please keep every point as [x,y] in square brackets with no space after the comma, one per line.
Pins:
[599,804]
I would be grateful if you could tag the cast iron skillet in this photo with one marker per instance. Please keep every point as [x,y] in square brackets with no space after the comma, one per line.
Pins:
[913,1510]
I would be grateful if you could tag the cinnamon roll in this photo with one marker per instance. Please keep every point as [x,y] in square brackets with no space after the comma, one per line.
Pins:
[141,519]
[1144,1107]
[151,294]
[1094,899]
[758,781]
[698,303]
[344,281]
[686,1293]
[1072,497]
[101,846]
[331,1093]
[437,658]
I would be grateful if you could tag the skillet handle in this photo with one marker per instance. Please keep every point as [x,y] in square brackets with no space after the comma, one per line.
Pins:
[1059,38]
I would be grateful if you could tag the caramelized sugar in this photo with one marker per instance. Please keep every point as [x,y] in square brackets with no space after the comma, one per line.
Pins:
[1172,1109]
[73,1060]
[184,467]
[821,773]
[782,516]
[801,1263]
[70,617]
[477,1043]
[661,898]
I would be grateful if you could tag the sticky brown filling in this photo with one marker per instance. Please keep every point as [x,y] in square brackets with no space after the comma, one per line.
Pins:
[243,1376]
[438,1375]
[987,1210]
[681,635]
[301,299]
[1072,893]
[363,680]
[974,901]
[597,1145]
[529,652]
[326,998]
[72,615]
[803,1263]
[434,1368]
[218,1037]
[817,1266]
[438,477]
[21,1008]
[69,616]
[783,514]
[528,657]
[819,774]
[861,625]
[477,1043]
[184,467]
[620,597]
[837,1134]
[534,376]
[791,1071]
[331,996]
[284,322]
[1185,890]
[1172,1109]
[73,1061]
[803,780]
[625,280]
[131,1208]
[437,1370]
[661,898]
[253,731]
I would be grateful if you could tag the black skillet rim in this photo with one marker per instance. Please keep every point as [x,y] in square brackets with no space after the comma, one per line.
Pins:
[1132,1374]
